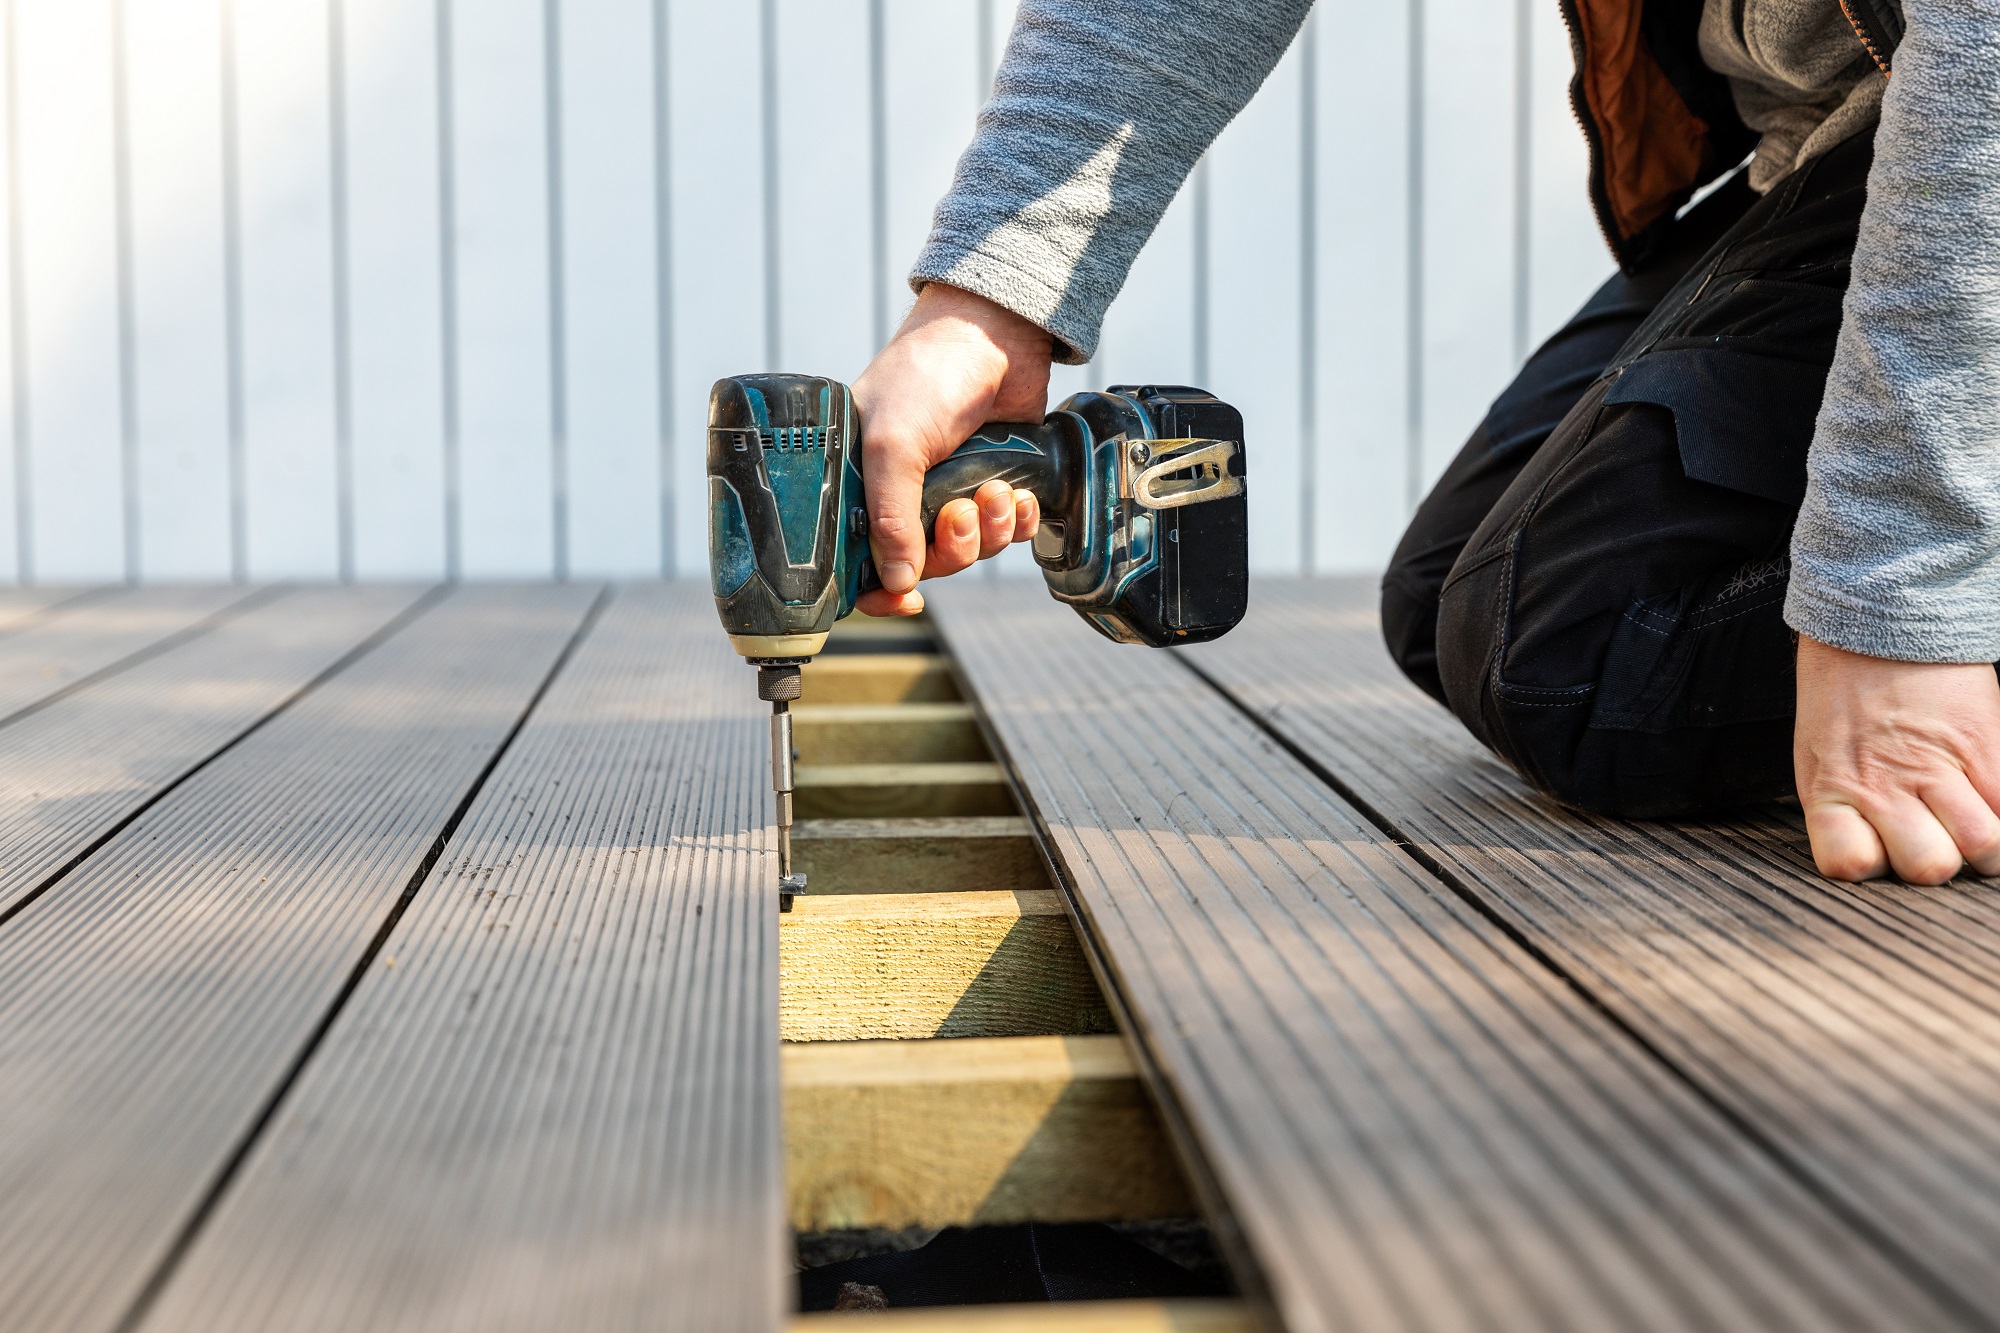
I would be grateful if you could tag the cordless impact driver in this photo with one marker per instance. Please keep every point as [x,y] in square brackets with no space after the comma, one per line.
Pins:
[1144,528]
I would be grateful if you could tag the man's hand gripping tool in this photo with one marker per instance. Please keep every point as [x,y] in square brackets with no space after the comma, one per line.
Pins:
[1144,525]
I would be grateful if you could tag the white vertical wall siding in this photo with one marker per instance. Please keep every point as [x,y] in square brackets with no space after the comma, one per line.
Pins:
[16,538]
[180,375]
[610,285]
[292,491]
[407,288]
[1364,271]
[1253,301]
[506,341]
[934,89]
[395,286]
[1567,259]
[717,188]
[826,272]
[68,211]
[1469,279]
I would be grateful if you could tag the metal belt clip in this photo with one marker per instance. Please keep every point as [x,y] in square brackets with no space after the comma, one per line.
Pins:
[1184,472]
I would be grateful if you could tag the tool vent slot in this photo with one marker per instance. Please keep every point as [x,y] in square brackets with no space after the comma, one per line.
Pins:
[795,439]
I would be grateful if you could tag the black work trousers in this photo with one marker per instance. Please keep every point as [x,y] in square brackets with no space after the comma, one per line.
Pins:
[1596,585]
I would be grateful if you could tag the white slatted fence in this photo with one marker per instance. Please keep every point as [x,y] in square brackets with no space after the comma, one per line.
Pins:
[392,288]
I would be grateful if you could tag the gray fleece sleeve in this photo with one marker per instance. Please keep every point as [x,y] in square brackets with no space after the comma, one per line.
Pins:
[1897,550]
[1099,111]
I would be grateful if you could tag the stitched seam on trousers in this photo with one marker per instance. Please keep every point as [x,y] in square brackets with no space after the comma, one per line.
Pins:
[1706,622]
[1501,685]
[1459,573]
[1507,550]
[1491,714]
[1636,623]
[1584,688]
[1762,590]
[1503,629]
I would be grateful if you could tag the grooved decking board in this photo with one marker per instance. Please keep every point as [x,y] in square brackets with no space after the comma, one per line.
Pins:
[1857,1027]
[21,607]
[156,998]
[1412,1122]
[91,634]
[70,772]
[552,1102]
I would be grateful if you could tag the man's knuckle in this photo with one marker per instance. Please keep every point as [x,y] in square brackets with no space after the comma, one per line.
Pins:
[893,525]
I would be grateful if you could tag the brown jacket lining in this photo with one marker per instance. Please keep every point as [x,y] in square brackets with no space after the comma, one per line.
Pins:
[1654,148]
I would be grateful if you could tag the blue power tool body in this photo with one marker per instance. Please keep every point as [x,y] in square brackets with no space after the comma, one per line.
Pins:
[1144,525]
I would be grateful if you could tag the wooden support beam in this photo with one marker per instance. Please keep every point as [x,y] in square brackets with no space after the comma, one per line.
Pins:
[838,791]
[1186,1316]
[879,678]
[901,733]
[859,966]
[918,855]
[973,1131]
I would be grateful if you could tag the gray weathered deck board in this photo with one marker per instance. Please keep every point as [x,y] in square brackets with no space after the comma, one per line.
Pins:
[1856,1027]
[155,999]
[83,636]
[552,1103]
[21,607]
[1414,1123]
[70,772]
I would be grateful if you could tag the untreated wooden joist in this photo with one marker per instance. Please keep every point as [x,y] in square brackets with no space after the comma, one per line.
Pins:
[1184,1316]
[916,855]
[882,634]
[973,1131]
[859,966]
[891,733]
[879,678]
[840,791]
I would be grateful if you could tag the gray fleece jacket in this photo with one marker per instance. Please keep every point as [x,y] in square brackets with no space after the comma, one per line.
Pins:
[1092,129]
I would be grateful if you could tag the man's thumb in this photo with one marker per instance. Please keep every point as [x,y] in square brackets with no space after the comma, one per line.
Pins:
[895,526]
